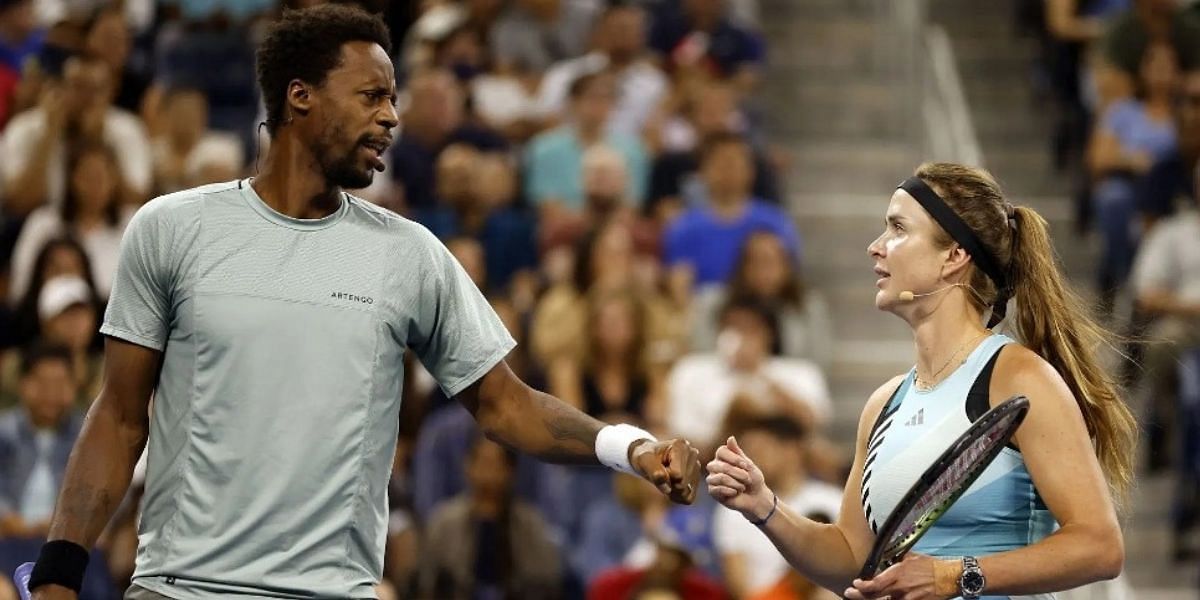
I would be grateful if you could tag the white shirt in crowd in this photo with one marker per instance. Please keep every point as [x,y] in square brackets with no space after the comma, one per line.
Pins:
[123,132]
[765,566]
[641,87]
[102,244]
[701,387]
[1169,259]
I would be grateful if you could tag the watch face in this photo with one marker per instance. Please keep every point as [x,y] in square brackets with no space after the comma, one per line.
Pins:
[972,582]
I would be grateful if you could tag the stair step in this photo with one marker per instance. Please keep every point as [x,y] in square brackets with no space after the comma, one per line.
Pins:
[797,11]
[857,169]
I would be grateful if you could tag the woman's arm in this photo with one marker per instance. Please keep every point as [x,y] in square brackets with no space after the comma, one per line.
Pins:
[1067,26]
[829,554]
[1058,454]
[1106,155]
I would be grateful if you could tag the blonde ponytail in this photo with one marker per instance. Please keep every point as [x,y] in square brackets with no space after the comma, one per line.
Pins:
[1053,321]
[1050,318]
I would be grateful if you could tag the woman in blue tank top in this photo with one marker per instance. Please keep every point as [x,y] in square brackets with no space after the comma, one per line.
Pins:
[1041,518]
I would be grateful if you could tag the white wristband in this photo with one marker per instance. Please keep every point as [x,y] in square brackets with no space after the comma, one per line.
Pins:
[612,445]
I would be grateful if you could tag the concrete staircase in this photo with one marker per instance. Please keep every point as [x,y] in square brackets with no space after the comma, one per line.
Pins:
[829,107]
[832,103]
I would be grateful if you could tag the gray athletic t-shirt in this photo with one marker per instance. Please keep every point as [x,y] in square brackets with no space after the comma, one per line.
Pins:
[275,418]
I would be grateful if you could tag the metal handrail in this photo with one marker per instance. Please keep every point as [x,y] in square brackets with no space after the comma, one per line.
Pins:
[947,115]
[918,58]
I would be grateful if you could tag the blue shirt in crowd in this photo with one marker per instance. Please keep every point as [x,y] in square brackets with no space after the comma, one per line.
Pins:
[507,236]
[710,244]
[554,166]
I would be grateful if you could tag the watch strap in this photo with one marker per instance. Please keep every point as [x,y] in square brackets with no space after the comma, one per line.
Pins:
[970,566]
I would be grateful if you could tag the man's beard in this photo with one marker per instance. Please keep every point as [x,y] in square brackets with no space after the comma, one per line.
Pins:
[345,171]
[347,174]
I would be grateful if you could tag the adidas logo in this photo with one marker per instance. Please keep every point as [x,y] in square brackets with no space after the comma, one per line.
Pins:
[917,419]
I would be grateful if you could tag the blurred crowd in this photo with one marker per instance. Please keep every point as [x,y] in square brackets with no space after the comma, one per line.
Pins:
[1124,77]
[600,170]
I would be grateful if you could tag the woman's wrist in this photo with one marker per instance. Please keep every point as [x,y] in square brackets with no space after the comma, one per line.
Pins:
[946,574]
[764,505]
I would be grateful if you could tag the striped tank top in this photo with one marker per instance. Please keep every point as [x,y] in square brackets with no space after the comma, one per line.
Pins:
[1001,511]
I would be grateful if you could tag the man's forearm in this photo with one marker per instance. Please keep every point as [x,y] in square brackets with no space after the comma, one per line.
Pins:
[539,424]
[97,476]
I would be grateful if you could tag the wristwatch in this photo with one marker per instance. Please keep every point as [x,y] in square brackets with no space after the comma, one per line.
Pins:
[972,581]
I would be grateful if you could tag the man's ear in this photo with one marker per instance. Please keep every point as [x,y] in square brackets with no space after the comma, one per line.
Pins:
[299,98]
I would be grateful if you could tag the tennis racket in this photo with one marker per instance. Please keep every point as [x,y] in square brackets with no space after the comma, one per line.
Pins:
[943,482]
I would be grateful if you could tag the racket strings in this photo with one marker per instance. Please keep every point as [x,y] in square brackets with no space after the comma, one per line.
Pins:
[946,488]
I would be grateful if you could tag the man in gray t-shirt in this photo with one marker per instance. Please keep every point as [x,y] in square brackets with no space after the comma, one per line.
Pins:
[268,318]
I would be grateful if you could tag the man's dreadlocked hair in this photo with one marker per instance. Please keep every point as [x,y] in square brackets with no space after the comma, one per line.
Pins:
[306,45]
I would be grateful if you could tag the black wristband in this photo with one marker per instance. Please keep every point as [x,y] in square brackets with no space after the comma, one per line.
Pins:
[61,562]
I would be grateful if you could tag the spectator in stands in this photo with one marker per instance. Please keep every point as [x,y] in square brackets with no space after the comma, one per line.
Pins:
[186,152]
[605,180]
[107,37]
[20,39]
[605,186]
[709,110]
[554,159]
[485,543]
[534,34]
[1171,178]
[461,51]
[209,47]
[67,316]
[1152,21]
[1071,26]
[603,261]
[620,47]
[613,524]
[752,567]
[91,212]
[469,253]
[704,109]
[77,108]
[433,119]
[1166,287]
[767,273]
[35,441]
[475,193]
[707,237]
[666,562]
[611,382]
[1131,137]
[62,256]
[508,103]
[698,40]
[745,374]
[453,36]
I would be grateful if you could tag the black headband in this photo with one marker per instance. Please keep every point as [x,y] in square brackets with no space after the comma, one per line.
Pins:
[958,229]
